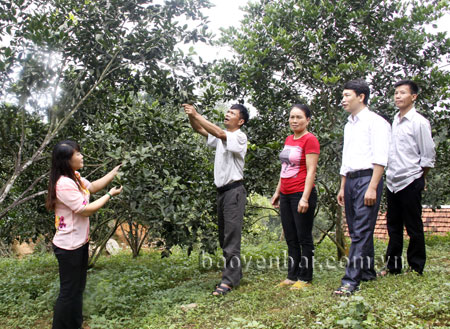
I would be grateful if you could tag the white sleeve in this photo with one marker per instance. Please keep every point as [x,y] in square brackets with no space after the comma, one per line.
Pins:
[236,142]
[212,141]
[380,139]
[343,171]
[86,182]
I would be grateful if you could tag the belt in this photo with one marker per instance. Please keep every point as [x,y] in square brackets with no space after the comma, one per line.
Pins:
[360,173]
[230,186]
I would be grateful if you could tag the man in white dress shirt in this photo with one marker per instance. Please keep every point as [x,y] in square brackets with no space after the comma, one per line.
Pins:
[410,157]
[365,154]
[231,146]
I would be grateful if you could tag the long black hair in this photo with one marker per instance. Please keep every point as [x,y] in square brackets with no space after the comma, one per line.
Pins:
[62,153]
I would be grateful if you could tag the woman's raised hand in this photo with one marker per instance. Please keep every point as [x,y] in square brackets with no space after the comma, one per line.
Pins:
[116,190]
[116,169]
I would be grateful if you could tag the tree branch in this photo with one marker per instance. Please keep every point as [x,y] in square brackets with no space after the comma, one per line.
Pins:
[19,202]
[51,134]
[332,239]
[37,180]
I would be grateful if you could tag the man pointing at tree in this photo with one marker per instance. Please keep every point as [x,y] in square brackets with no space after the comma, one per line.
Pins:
[231,146]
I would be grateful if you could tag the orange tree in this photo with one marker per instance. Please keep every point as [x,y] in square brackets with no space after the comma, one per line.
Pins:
[74,69]
[290,51]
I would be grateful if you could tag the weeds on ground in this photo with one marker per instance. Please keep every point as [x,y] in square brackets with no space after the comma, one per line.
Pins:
[175,292]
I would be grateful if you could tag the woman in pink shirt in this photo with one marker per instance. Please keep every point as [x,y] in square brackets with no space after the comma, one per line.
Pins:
[297,197]
[68,196]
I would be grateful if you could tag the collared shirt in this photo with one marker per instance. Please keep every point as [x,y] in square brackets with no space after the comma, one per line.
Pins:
[366,142]
[72,229]
[412,149]
[229,159]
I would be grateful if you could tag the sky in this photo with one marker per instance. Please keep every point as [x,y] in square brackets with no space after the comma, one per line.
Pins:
[224,14]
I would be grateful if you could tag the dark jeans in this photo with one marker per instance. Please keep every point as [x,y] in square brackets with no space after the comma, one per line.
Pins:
[230,211]
[405,209]
[361,222]
[298,234]
[73,266]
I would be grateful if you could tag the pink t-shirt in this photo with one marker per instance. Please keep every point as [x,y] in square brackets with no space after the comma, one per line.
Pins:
[293,162]
[72,229]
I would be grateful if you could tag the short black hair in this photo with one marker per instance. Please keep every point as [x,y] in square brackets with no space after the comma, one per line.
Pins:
[243,112]
[359,86]
[303,108]
[412,85]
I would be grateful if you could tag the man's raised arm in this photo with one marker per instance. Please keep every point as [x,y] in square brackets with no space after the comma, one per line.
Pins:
[201,124]
[192,115]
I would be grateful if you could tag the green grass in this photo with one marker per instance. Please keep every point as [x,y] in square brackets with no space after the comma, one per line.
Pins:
[149,292]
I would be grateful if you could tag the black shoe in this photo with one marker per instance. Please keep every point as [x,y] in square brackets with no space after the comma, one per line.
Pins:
[371,278]
[411,270]
[345,290]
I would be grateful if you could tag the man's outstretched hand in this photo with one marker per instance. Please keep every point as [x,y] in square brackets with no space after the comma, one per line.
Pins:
[189,109]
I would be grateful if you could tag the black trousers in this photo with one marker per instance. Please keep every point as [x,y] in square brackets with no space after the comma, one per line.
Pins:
[73,264]
[361,222]
[230,210]
[404,208]
[297,230]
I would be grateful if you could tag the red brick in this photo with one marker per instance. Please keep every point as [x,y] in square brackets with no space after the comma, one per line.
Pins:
[435,222]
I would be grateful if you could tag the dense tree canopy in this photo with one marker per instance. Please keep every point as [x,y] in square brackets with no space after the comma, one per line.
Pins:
[304,51]
[109,74]
[77,70]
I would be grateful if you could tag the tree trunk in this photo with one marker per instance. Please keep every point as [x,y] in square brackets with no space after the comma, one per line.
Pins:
[340,238]
[101,246]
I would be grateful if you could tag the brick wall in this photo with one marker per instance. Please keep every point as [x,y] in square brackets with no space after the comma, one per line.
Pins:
[434,222]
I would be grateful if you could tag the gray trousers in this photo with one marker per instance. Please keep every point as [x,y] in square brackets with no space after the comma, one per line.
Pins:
[230,210]
[361,222]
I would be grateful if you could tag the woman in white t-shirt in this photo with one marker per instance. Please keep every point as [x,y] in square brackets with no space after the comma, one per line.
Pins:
[68,197]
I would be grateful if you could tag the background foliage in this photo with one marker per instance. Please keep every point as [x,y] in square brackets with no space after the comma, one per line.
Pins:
[109,74]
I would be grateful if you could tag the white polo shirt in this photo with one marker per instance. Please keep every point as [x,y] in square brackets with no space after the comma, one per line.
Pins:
[229,159]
